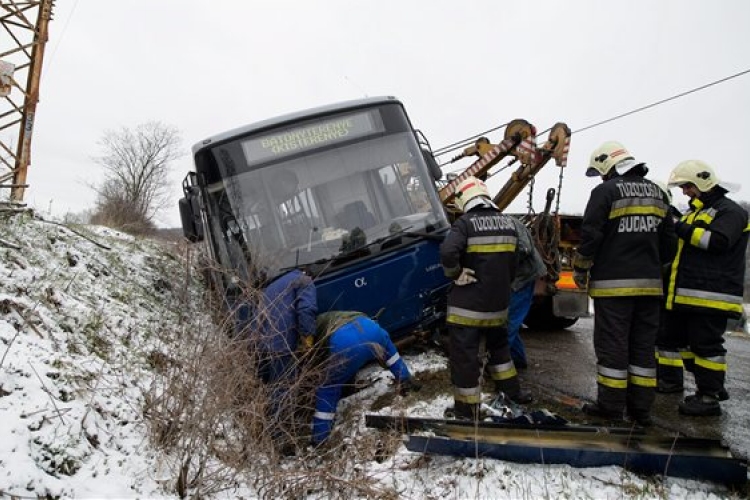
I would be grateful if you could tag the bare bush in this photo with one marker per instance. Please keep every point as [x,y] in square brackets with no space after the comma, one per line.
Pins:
[221,426]
[136,184]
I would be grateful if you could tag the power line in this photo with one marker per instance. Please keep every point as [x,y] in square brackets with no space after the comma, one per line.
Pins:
[445,149]
[461,143]
[60,37]
[642,108]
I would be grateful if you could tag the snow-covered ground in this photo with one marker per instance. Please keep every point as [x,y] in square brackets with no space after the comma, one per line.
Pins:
[85,312]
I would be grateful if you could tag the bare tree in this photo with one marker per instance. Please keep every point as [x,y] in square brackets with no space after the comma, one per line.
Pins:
[137,163]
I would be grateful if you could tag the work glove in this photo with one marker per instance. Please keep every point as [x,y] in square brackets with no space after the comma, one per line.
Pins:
[407,386]
[305,344]
[581,279]
[466,277]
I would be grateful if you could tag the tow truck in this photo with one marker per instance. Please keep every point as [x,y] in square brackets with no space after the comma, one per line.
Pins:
[558,301]
[352,194]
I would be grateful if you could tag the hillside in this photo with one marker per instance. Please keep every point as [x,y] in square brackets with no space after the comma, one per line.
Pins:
[114,382]
[85,312]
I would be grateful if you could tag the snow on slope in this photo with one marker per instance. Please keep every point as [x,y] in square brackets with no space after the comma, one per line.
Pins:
[79,325]
[81,328]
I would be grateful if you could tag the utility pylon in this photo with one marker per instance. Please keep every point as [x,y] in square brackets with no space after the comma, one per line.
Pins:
[22,40]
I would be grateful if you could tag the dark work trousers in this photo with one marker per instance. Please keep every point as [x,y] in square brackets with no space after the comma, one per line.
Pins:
[625,331]
[673,355]
[466,365]
[699,338]
[279,370]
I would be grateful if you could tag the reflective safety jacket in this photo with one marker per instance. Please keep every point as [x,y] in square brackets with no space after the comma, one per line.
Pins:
[709,270]
[625,238]
[484,240]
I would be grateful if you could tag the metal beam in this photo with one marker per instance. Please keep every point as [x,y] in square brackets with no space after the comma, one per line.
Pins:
[577,445]
[23,44]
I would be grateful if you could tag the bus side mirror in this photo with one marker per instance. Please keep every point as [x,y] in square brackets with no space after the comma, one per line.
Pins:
[192,225]
[432,165]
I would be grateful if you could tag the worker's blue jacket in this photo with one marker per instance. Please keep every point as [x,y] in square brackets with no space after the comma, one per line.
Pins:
[352,342]
[284,311]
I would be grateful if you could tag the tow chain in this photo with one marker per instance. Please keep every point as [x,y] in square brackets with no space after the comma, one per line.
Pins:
[546,231]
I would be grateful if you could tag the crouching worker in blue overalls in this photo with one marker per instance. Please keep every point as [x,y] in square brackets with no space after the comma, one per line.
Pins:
[350,340]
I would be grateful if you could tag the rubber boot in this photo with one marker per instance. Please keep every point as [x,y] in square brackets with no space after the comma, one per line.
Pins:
[596,410]
[466,411]
[519,396]
[701,405]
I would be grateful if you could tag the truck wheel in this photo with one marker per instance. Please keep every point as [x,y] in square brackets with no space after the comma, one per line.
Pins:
[540,318]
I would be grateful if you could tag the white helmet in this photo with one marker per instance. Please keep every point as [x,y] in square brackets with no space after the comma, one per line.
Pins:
[700,174]
[663,186]
[607,156]
[470,189]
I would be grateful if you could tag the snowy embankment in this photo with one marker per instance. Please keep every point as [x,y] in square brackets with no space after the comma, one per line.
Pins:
[83,314]
[87,315]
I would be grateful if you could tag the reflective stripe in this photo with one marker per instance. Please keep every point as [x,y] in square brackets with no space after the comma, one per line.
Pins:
[700,238]
[641,371]
[669,358]
[497,248]
[491,244]
[611,372]
[711,300]
[707,215]
[491,240]
[673,275]
[642,381]
[687,355]
[689,218]
[644,377]
[637,206]
[392,360]
[612,382]
[628,283]
[638,202]
[669,354]
[715,363]
[626,287]
[503,371]
[471,395]
[323,415]
[723,297]
[461,316]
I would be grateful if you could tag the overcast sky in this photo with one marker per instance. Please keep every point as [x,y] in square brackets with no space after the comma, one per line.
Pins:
[460,67]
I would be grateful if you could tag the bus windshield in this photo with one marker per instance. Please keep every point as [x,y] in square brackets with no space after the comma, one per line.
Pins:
[320,193]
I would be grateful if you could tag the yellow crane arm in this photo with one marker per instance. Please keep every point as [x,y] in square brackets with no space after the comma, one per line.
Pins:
[533,160]
[515,133]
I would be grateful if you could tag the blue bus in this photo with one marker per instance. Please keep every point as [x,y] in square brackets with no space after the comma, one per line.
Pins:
[345,192]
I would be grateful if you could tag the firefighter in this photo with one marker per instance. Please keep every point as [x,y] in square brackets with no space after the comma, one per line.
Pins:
[667,355]
[348,341]
[705,286]
[479,254]
[625,238]
[529,267]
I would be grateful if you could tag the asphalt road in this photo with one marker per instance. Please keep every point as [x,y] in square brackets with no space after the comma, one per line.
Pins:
[562,375]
